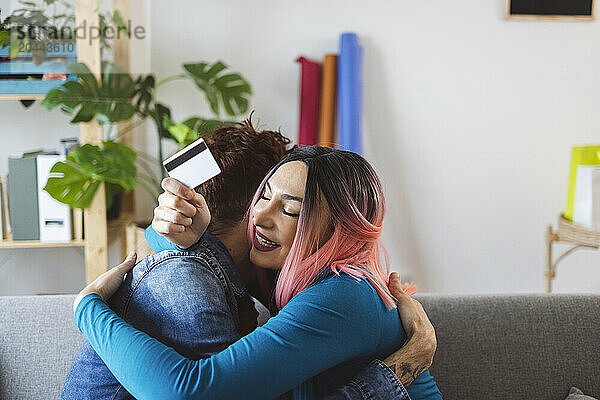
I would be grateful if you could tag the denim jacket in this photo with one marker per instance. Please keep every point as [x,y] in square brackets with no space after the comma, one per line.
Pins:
[191,301]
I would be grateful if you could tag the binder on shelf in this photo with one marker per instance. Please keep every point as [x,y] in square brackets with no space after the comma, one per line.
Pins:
[34,214]
[54,216]
[22,188]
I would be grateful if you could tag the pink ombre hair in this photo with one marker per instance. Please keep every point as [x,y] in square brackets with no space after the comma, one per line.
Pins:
[353,194]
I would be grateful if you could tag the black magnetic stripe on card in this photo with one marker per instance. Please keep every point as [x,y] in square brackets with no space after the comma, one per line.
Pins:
[194,151]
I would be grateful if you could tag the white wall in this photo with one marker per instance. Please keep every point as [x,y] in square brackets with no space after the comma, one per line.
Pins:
[468,117]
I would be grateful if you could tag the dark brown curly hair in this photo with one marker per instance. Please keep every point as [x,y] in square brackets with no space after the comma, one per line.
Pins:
[244,155]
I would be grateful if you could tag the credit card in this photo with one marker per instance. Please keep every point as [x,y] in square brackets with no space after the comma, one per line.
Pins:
[192,165]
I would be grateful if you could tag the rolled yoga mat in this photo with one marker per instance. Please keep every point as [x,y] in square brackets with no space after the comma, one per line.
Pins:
[350,93]
[328,101]
[309,102]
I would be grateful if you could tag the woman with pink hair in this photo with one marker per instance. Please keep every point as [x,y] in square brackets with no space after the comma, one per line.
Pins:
[317,219]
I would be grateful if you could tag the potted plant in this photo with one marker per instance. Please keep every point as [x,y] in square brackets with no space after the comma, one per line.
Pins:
[120,97]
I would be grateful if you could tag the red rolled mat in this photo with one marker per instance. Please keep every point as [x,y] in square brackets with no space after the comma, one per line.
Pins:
[309,102]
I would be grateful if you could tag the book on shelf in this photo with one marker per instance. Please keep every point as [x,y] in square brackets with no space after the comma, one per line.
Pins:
[54,216]
[4,213]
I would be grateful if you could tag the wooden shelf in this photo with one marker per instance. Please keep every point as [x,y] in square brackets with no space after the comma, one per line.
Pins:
[22,96]
[116,229]
[30,244]
[579,237]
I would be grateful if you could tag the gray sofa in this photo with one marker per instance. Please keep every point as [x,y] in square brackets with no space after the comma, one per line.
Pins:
[489,347]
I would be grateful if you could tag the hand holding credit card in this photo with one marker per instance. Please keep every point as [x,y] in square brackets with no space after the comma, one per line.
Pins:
[182,215]
[193,165]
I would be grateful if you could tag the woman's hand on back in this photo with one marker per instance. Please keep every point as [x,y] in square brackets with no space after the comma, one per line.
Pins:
[416,355]
[107,284]
[182,215]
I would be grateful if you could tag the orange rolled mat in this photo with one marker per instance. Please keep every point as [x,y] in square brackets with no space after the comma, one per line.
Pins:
[328,102]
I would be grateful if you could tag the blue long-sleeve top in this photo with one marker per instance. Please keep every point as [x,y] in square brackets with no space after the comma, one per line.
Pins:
[336,320]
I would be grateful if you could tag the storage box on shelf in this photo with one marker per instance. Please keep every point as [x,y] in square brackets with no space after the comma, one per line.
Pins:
[21,76]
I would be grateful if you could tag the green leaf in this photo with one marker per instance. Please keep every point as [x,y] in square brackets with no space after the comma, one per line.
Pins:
[119,22]
[4,38]
[75,187]
[221,88]
[83,72]
[182,133]
[111,100]
[120,161]
[86,114]
[202,126]
[13,51]
[144,87]
[86,167]
[110,191]
[189,130]
[159,116]
[53,98]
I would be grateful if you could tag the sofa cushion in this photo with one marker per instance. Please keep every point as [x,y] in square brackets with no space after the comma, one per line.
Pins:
[38,341]
[532,346]
[493,346]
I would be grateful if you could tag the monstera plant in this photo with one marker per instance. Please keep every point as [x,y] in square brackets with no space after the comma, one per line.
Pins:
[85,168]
[119,97]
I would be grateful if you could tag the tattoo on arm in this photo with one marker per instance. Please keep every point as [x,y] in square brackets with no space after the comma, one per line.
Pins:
[407,372]
[410,361]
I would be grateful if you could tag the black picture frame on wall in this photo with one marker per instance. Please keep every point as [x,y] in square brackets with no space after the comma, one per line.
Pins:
[582,10]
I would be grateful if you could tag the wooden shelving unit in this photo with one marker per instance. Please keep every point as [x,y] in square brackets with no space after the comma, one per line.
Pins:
[22,96]
[28,244]
[99,234]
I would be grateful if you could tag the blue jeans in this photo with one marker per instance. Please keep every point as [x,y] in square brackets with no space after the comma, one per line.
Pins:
[375,381]
[188,301]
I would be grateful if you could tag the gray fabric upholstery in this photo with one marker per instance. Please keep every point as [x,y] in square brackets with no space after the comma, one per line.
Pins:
[489,347]
[38,341]
[515,346]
